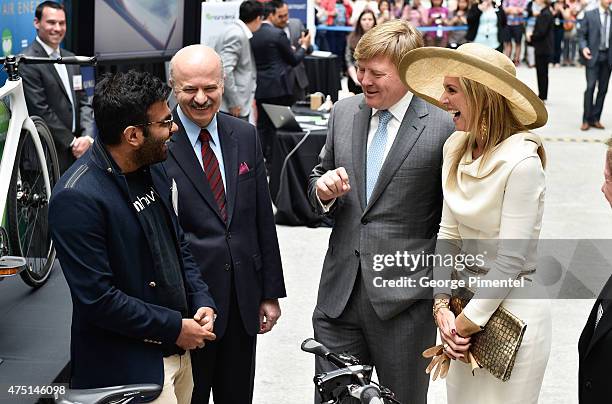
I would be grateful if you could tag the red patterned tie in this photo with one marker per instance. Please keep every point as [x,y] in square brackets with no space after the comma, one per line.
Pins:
[213,173]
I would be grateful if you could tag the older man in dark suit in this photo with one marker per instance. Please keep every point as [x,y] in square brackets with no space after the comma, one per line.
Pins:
[595,345]
[275,59]
[224,206]
[55,92]
[594,38]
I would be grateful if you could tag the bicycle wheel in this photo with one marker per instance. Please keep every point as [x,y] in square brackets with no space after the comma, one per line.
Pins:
[28,205]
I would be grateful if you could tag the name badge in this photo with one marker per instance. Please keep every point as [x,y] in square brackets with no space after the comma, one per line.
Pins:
[77,82]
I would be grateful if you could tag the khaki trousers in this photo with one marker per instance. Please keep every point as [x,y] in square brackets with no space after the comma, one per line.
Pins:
[178,381]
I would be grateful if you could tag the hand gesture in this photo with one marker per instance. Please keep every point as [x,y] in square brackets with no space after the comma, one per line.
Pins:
[332,184]
[586,52]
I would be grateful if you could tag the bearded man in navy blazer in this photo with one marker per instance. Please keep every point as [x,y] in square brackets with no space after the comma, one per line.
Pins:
[139,302]
[225,209]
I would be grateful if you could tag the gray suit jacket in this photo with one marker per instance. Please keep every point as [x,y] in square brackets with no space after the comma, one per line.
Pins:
[239,68]
[589,36]
[404,209]
[47,98]
[298,73]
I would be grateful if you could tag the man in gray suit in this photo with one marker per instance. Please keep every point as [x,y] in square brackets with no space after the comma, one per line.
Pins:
[238,62]
[380,179]
[594,38]
[55,92]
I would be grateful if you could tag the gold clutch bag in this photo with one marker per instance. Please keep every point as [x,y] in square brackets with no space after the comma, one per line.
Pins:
[496,346]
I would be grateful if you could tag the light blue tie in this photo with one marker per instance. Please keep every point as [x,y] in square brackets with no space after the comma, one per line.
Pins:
[376,152]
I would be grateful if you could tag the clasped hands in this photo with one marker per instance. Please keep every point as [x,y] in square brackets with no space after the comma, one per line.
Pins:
[195,331]
[455,334]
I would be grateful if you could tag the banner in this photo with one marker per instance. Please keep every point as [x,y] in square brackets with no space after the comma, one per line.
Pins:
[298,9]
[304,10]
[17,26]
[215,17]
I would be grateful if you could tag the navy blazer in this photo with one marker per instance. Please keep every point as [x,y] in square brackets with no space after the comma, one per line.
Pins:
[595,352]
[119,324]
[274,59]
[246,247]
[589,36]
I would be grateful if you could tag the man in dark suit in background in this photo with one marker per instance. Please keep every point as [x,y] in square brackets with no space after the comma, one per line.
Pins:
[294,29]
[595,345]
[275,59]
[594,38]
[225,209]
[55,92]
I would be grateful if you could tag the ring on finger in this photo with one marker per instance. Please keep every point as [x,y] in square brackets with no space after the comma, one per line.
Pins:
[444,347]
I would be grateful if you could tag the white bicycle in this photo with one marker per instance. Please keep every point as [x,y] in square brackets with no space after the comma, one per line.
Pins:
[28,171]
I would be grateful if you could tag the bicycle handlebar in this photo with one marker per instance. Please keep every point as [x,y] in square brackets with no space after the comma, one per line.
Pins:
[313,346]
[72,60]
[351,374]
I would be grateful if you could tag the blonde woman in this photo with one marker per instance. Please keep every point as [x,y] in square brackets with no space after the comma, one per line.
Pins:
[493,183]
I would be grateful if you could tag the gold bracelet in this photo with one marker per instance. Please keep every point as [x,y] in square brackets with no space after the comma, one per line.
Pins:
[442,303]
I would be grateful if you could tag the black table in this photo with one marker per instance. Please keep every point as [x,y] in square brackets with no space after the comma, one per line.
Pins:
[34,334]
[323,75]
[289,177]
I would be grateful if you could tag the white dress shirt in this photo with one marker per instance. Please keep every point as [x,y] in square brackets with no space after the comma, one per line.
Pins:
[63,73]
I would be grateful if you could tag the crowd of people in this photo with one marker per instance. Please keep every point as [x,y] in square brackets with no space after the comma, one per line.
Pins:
[164,226]
[505,24]
[538,33]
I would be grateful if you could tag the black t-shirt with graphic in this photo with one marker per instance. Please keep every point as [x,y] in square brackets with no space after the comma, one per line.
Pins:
[158,229]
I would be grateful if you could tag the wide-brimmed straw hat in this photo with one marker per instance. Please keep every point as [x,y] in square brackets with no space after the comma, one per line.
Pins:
[423,70]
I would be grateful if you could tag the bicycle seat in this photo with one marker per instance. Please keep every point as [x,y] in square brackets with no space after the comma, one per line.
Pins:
[134,393]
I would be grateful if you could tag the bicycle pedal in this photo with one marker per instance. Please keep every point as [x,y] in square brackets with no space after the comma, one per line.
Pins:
[10,265]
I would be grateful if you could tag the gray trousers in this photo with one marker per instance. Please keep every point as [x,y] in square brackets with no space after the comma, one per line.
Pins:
[596,76]
[392,346]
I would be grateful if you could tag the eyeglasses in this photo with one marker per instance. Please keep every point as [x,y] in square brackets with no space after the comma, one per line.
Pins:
[166,123]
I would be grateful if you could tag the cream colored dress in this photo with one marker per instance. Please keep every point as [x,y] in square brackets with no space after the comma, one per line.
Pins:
[497,207]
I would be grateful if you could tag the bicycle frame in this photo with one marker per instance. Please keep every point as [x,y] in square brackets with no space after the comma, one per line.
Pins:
[19,120]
